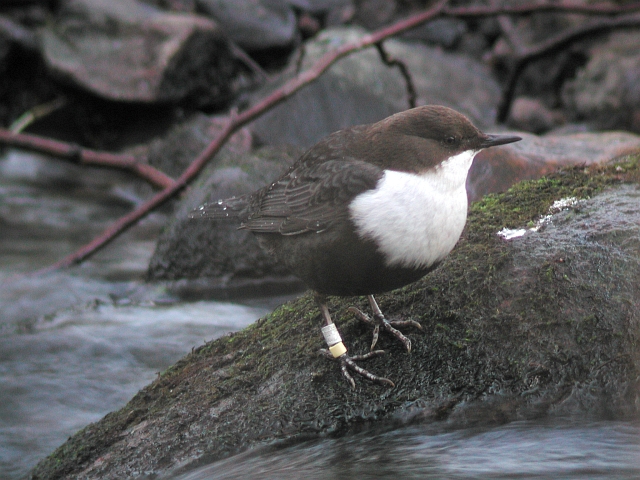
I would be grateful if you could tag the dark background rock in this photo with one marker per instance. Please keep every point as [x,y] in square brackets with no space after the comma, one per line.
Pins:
[320,6]
[13,32]
[23,75]
[129,51]
[209,78]
[496,169]
[230,259]
[606,91]
[364,88]
[367,90]
[254,24]
[544,77]
[373,14]
[174,151]
[544,324]
[442,31]
[531,115]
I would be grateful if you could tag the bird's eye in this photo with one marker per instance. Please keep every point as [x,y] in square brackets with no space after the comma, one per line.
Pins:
[450,141]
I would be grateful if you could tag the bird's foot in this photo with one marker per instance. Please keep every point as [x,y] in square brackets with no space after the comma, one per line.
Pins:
[379,321]
[348,363]
[337,350]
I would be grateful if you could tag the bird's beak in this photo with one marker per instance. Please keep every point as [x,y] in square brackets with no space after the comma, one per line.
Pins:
[493,140]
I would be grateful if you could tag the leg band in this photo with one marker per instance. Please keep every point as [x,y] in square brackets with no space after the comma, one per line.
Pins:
[334,341]
[338,350]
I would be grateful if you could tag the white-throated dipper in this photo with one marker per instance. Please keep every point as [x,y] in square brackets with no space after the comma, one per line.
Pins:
[366,210]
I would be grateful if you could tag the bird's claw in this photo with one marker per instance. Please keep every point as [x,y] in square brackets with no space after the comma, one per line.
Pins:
[348,363]
[379,321]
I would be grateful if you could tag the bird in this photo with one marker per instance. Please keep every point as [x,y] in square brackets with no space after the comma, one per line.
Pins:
[366,210]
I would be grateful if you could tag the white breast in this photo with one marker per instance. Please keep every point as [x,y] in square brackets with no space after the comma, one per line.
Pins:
[415,220]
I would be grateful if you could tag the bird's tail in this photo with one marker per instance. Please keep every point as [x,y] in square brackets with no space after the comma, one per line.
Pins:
[231,208]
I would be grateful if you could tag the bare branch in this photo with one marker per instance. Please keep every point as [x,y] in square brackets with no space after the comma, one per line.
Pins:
[86,156]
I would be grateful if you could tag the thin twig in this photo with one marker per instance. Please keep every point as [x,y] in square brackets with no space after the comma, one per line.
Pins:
[86,156]
[390,61]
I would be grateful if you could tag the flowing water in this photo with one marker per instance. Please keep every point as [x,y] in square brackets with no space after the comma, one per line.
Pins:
[522,450]
[79,343]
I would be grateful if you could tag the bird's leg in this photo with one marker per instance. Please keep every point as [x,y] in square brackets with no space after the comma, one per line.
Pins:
[337,350]
[379,321]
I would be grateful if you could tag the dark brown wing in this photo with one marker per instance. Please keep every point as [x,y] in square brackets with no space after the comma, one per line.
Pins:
[310,198]
[311,193]
[228,208]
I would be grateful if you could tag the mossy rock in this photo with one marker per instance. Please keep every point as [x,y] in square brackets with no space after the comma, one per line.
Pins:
[544,324]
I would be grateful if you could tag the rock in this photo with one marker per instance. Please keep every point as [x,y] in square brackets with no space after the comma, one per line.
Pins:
[330,12]
[474,44]
[606,91]
[255,24]
[441,31]
[453,80]
[320,6]
[24,78]
[264,24]
[531,115]
[543,77]
[180,146]
[534,28]
[227,260]
[374,14]
[128,51]
[367,90]
[543,324]
[187,6]
[496,169]
[480,34]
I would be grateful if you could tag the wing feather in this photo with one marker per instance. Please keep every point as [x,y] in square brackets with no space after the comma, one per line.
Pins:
[310,199]
[222,209]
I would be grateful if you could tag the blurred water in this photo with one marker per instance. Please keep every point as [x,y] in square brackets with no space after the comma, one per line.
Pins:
[78,343]
[519,450]
[70,370]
